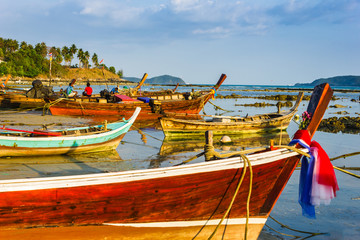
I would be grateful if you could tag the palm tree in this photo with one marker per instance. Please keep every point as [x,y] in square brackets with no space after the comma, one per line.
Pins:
[95,60]
[86,59]
[65,52]
[73,50]
[80,56]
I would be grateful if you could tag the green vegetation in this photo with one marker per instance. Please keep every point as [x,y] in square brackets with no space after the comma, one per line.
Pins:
[25,60]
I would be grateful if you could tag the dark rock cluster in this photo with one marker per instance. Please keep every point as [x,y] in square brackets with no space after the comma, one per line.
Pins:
[341,124]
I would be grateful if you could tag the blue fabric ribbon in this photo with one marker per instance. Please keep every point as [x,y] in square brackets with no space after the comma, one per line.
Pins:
[306,175]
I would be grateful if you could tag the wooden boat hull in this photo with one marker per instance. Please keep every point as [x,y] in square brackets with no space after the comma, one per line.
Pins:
[125,109]
[32,146]
[178,128]
[9,100]
[121,232]
[266,123]
[178,145]
[175,201]
[27,151]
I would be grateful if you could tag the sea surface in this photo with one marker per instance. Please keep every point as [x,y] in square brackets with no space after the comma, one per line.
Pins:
[146,148]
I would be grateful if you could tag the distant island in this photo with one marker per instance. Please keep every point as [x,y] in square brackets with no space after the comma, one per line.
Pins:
[351,81]
[163,79]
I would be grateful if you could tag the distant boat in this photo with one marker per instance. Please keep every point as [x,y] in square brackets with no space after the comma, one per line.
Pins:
[226,125]
[68,141]
[180,202]
[152,107]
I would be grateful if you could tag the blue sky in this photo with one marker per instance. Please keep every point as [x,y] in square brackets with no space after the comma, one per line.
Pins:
[253,42]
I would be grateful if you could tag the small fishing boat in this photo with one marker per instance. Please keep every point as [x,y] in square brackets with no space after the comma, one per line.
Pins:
[19,100]
[185,201]
[226,125]
[136,92]
[69,141]
[186,145]
[151,108]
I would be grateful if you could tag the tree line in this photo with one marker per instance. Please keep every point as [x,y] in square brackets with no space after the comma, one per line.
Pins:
[26,60]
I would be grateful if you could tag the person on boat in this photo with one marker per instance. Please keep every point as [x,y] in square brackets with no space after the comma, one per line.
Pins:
[88,90]
[69,91]
[114,90]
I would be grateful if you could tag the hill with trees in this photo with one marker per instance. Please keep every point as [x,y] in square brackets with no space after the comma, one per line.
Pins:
[27,61]
[163,79]
[352,81]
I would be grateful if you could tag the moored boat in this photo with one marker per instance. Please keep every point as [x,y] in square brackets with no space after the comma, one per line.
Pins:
[174,146]
[68,141]
[18,100]
[151,108]
[179,202]
[226,125]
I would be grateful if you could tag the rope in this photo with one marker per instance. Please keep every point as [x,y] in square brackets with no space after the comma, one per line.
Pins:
[347,172]
[219,107]
[48,105]
[342,169]
[292,229]
[246,161]
[284,234]
[344,156]
[146,133]
[210,153]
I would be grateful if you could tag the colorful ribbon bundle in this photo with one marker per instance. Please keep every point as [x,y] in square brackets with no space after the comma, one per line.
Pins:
[213,91]
[318,182]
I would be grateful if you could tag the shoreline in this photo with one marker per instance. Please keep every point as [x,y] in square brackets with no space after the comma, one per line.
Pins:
[121,82]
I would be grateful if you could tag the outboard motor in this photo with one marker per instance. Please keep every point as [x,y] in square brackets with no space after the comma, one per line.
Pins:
[39,90]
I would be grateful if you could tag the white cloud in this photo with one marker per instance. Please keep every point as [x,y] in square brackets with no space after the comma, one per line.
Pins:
[185,5]
[216,30]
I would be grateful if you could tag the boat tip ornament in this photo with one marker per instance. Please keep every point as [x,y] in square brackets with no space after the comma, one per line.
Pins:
[213,92]
[304,121]
[318,183]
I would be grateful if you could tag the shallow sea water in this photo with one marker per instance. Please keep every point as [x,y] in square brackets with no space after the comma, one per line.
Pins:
[146,148]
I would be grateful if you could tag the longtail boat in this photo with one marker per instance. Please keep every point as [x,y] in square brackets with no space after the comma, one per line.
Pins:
[151,108]
[180,202]
[159,95]
[19,100]
[226,125]
[68,141]
[175,146]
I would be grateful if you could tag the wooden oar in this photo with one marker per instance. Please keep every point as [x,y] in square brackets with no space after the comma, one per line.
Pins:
[34,132]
